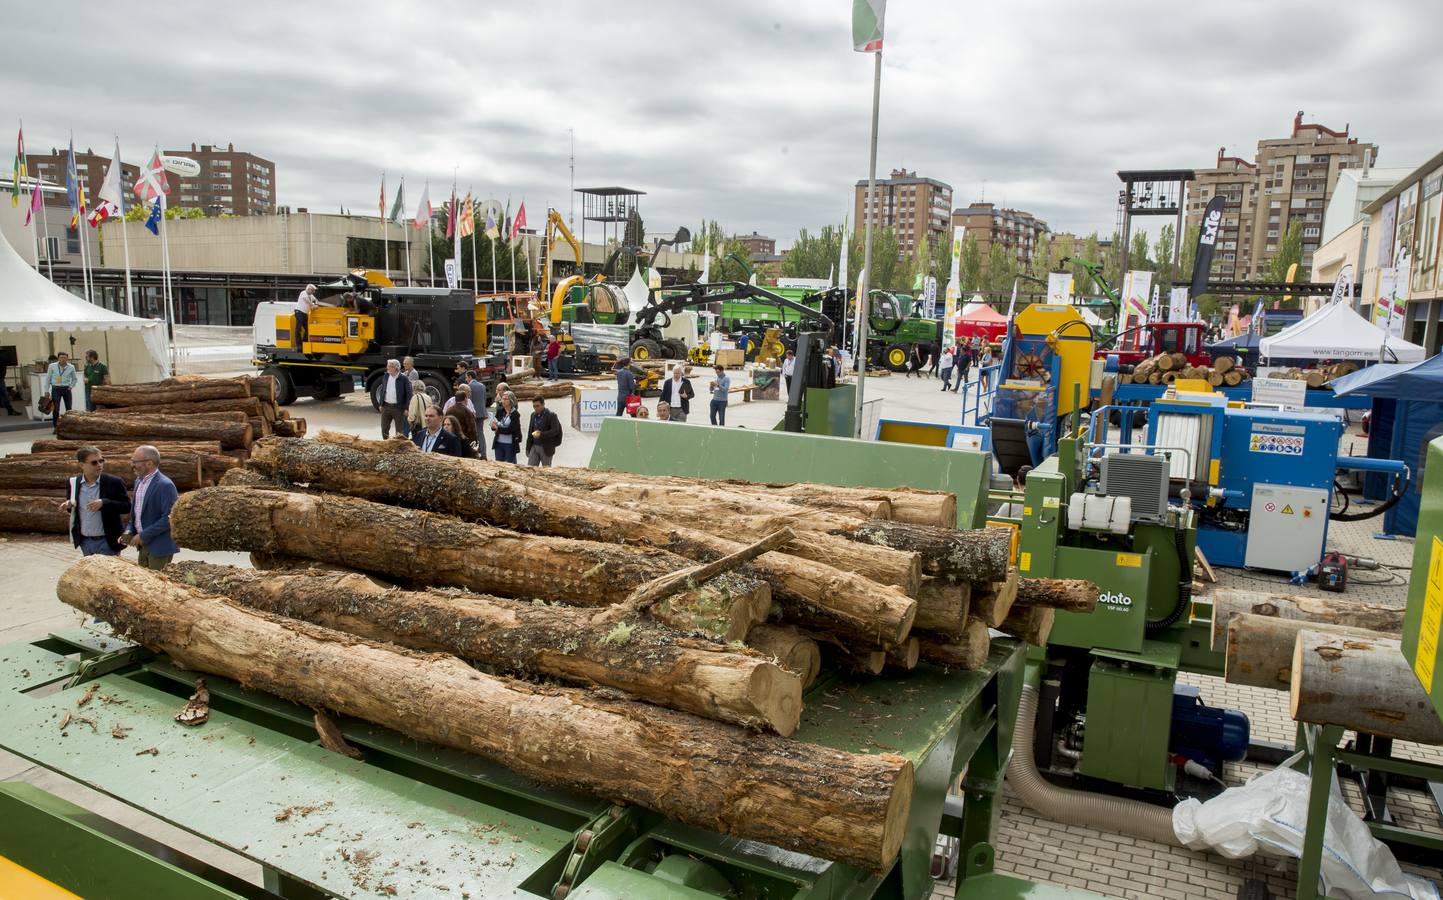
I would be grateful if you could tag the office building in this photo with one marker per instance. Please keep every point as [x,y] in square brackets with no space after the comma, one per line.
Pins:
[914,207]
[231,182]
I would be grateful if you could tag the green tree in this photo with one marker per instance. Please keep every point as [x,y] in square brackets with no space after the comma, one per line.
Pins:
[1111,273]
[727,266]
[814,255]
[940,261]
[1091,251]
[1041,262]
[889,273]
[1162,253]
[971,268]
[1137,260]
[1290,251]
[1187,258]
[477,253]
[140,212]
[1001,269]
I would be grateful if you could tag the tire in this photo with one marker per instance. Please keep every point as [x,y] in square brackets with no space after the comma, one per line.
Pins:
[285,387]
[328,390]
[673,348]
[437,388]
[895,358]
[645,350]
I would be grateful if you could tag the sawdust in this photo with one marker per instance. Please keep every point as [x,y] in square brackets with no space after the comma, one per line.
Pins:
[302,811]
[120,731]
[87,696]
[151,751]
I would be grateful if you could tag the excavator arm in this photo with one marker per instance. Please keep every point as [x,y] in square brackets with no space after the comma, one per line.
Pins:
[1095,271]
[555,224]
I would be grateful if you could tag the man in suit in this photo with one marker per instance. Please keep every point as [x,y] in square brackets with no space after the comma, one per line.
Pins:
[677,392]
[395,391]
[96,501]
[625,384]
[435,439]
[155,494]
[543,435]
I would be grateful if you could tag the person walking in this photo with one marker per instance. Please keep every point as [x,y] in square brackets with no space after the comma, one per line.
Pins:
[927,353]
[625,384]
[553,359]
[96,374]
[947,362]
[984,359]
[5,390]
[408,367]
[963,363]
[789,368]
[95,501]
[507,428]
[60,377]
[396,392]
[676,393]
[305,305]
[477,389]
[433,438]
[720,393]
[543,435]
[155,494]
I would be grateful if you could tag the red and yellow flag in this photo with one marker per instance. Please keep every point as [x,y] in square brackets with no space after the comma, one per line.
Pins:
[468,217]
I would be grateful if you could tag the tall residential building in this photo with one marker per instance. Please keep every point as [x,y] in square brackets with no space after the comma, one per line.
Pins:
[230,182]
[1290,179]
[89,167]
[1014,229]
[758,244]
[915,208]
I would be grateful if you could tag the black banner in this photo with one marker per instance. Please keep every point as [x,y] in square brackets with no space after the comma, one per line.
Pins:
[1207,239]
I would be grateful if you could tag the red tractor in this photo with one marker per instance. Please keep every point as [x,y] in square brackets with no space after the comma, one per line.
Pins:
[1136,344]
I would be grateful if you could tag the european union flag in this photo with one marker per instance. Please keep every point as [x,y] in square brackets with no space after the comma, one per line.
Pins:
[153,223]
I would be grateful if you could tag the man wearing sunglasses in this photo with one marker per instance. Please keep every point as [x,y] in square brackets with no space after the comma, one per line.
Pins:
[95,501]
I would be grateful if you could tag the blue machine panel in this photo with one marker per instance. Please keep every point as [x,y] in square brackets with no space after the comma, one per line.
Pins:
[1271,447]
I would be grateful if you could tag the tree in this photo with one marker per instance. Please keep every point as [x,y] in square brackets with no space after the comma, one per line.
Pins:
[889,273]
[971,269]
[814,256]
[940,261]
[1090,252]
[1137,260]
[1001,269]
[1188,257]
[1110,263]
[729,267]
[1290,251]
[140,212]
[1162,252]
[1041,262]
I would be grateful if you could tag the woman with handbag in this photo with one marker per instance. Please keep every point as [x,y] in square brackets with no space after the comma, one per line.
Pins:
[507,428]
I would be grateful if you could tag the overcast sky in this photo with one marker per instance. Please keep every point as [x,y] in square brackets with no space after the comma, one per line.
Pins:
[752,113]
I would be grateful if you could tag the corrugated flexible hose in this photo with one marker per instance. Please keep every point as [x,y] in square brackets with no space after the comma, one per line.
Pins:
[1072,807]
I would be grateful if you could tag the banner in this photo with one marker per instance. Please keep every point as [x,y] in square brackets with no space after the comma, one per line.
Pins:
[929,295]
[1343,287]
[1177,305]
[1391,310]
[453,274]
[1059,288]
[1207,238]
[1137,288]
[954,288]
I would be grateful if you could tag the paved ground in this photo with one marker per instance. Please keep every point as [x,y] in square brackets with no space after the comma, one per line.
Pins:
[1029,845]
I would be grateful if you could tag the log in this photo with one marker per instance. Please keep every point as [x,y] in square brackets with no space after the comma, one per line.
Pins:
[52,470]
[112,448]
[811,593]
[27,512]
[648,661]
[1355,613]
[1071,594]
[1315,379]
[1031,623]
[905,655]
[980,554]
[262,387]
[1215,379]
[1233,378]
[429,549]
[969,652]
[530,391]
[991,601]
[942,606]
[1362,684]
[231,433]
[1223,364]
[793,651]
[698,501]
[288,427]
[1143,369]
[842,806]
[1260,648]
[155,393]
[1166,362]
[248,405]
[260,428]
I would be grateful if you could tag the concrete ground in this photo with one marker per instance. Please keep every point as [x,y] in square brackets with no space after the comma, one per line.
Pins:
[1028,844]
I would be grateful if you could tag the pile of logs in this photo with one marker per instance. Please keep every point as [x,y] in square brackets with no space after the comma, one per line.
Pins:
[702,609]
[528,387]
[1166,368]
[203,427]
[1317,377]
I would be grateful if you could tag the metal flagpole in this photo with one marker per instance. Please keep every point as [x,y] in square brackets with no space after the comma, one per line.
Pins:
[385,230]
[475,248]
[862,287]
[495,289]
[80,225]
[526,243]
[124,232]
[45,223]
[431,242]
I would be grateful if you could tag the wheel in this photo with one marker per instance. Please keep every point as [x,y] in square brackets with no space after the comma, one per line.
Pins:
[673,348]
[436,387]
[327,390]
[645,349]
[285,387]
[895,359]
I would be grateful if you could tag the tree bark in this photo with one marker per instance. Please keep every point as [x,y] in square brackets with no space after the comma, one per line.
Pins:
[110,448]
[942,606]
[981,554]
[836,805]
[1260,648]
[646,660]
[1071,594]
[1363,684]
[232,433]
[991,601]
[51,470]
[428,549]
[23,512]
[810,593]
[248,405]
[1355,613]
[260,428]
[1031,623]
[792,650]
[905,655]
[696,500]
[154,393]
[262,387]
[969,652]
[289,427]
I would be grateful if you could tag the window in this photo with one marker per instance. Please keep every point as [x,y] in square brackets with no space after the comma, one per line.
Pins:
[1311,231]
[72,240]
[52,248]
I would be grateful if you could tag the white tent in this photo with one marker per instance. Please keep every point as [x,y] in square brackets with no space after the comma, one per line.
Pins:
[39,318]
[1337,332]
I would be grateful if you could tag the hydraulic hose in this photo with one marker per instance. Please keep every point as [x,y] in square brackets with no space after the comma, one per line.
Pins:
[1399,491]
[1073,807]
[1184,587]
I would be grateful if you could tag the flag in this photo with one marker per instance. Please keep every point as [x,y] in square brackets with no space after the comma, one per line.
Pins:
[451,215]
[152,182]
[506,222]
[867,16]
[398,211]
[423,208]
[468,217]
[111,201]
[74,190]
[35,201]
[1343,287]
[17,178]
[1255,321]
[491,230]
[1207,239]
[153,223]
[382,206]
[520,221]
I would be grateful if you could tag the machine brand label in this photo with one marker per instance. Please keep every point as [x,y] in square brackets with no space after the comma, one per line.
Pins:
[1049,502]
[1116,600]
[1211,224]
[1281,444]
[1129,561]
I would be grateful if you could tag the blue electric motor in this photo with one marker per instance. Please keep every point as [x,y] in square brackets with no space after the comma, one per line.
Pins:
[1204,734]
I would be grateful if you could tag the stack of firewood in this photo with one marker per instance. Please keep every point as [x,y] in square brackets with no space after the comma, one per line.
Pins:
[1317,377]
[1166,368]
[700,609]
[203,427]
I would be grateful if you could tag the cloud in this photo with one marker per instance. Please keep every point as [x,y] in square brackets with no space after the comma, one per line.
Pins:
[753,113]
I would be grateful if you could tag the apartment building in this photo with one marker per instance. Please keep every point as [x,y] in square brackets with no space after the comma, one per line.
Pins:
[89,168]
[914,207]
[231,182]
[1014,229]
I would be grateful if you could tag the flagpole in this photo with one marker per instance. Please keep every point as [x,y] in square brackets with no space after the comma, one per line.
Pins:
[385,231]
[862,304]
[45,223]
[80,225]
[124,232]
[475,251]
[25,161]
[431,242]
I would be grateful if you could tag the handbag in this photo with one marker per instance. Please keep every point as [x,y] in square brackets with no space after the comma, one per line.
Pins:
[633,403]
[45,405]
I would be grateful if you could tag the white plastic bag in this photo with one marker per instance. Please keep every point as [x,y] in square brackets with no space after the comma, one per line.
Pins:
[1269,814]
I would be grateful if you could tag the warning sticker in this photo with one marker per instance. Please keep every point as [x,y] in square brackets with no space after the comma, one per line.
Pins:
[1288,510]
[1129,560]
[1432,624]
[1282,444]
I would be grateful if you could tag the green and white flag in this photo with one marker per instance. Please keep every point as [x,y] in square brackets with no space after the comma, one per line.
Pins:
[867,16]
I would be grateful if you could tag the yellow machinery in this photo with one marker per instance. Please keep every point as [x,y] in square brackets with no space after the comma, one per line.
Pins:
[1044,379]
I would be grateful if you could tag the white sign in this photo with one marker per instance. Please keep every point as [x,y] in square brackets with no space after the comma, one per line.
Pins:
[1288,393]
[453,276]
[592,407]
[1177,305]
[185,168]
[1059,288]
[929,295]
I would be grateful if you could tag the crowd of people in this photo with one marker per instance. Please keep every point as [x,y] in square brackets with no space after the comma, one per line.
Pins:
[954,361]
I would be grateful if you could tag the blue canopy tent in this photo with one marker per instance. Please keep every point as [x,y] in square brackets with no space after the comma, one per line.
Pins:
[1411,396]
